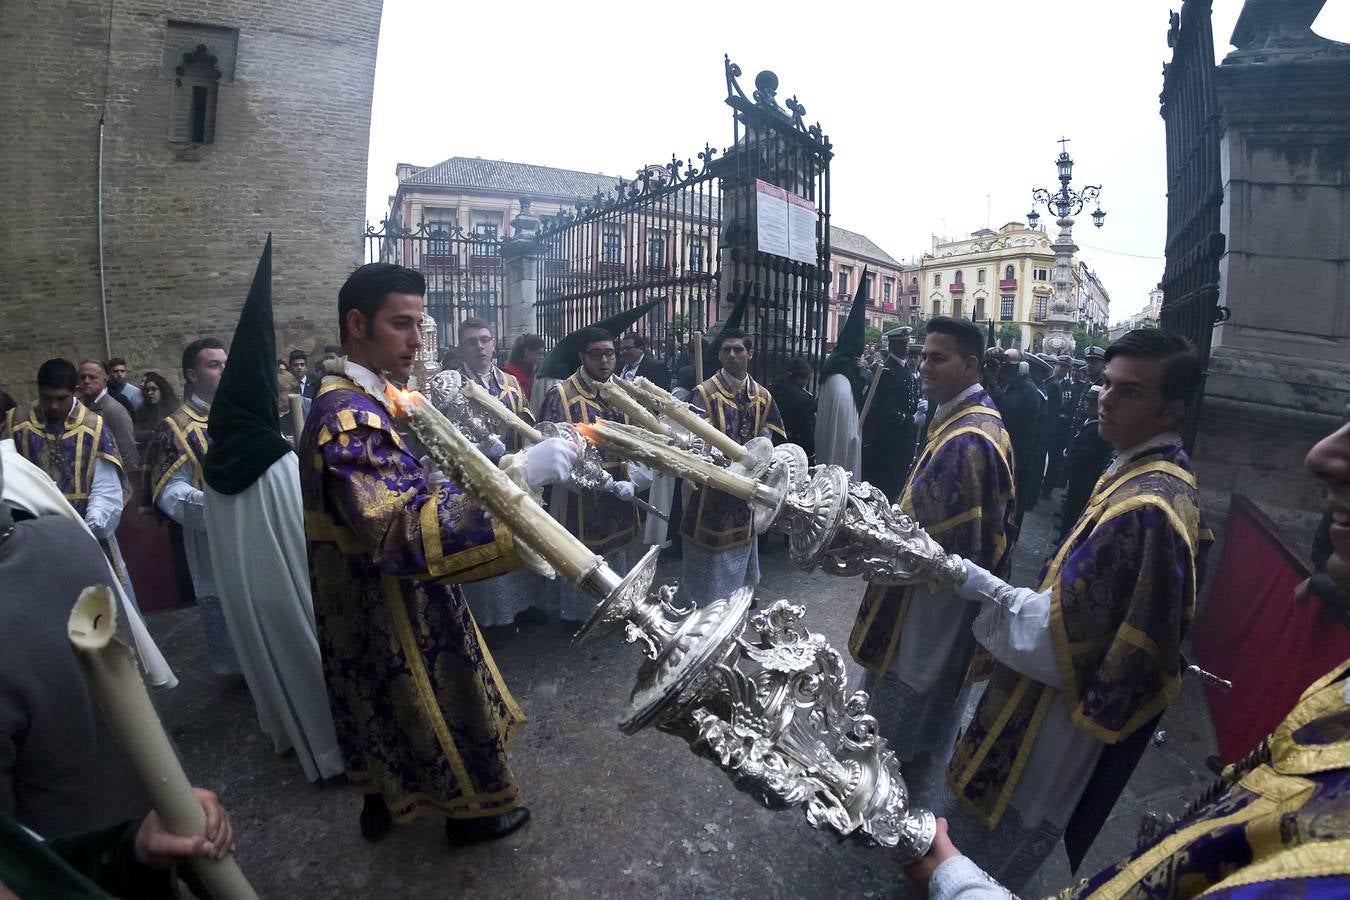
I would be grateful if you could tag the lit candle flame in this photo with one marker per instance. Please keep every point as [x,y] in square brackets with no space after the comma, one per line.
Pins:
[401,401]
[588,432]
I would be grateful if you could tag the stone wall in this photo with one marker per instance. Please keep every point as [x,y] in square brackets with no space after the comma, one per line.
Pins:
[183,224]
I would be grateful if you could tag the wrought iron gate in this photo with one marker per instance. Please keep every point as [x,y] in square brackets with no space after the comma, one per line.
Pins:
[463,271]
[1190,109]
[685,232]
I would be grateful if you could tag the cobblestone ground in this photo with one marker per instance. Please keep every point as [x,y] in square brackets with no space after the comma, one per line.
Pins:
[613,816]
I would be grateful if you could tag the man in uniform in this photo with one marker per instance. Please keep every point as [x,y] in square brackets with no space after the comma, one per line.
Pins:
[915,641]
[721,552]
[604,520]
[889,431]
[1023,411]
[422,715]
[175,458]
[1061,383]
[1085,664]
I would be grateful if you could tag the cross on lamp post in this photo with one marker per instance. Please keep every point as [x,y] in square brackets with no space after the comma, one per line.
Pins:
[1065,203]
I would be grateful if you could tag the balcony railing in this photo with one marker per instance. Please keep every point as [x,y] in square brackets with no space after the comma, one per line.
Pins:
[1007,284]
[956,287]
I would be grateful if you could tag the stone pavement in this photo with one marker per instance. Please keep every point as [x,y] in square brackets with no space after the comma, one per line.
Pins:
[613,816]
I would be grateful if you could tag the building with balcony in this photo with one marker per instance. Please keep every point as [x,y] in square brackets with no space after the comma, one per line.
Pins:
[1094,302]
[1003,275]
[887,301]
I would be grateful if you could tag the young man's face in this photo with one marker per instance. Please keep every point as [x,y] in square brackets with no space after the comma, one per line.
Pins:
[92,382]
[945,371]
[476,348]
[54,403]
[1329,460]
[205,378]
[118,376]
[1130,407]
[1095,367]
[389,340]
[629,351]
[298,367]
[598,360]
[735,357]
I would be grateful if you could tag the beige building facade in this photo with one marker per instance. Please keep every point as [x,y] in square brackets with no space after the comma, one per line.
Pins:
[850,254]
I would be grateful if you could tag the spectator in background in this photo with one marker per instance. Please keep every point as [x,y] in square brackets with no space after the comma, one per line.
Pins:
[287,387]
[6,403]
[526,354]
[331,352]
[159,399]
[123,392]
[797,405]
[298,365]
[94,393]
[636,362]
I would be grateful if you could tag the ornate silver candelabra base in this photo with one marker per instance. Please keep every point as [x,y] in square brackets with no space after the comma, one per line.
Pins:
[767,701]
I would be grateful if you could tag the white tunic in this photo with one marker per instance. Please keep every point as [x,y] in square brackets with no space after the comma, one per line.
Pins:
[257,549]
[838,442]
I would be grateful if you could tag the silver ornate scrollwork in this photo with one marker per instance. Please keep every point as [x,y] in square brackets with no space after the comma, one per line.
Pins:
[588,473]
[445,390]
[768,701]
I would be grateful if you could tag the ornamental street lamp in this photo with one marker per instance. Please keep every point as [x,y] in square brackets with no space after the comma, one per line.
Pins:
[1064,203]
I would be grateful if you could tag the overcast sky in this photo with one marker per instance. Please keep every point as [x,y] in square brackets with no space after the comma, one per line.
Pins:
[944,115]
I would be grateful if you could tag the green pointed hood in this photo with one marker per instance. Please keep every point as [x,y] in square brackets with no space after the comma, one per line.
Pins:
[245,434]
[851,343]
[561,361]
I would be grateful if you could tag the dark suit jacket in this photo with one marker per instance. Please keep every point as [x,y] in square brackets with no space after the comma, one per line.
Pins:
[310,388]
[653,370]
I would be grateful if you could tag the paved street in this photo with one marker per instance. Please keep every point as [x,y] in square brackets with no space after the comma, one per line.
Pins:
[614,816]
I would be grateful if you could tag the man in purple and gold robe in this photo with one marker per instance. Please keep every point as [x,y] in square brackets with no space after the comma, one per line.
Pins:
[914,641]
[721,549]
[76,448]
[1277,823]
[174,465]
[477,349]
[423,717]
[1085,664]
[606,520]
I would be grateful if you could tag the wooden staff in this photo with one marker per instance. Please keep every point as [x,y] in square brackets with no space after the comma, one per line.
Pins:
[871,392]
[297,403]
[698,357]
[111,670]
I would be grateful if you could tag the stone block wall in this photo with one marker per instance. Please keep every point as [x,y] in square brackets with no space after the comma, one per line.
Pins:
[183,224]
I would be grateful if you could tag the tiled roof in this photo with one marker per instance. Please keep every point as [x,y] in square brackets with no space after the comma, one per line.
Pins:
[512,177]
[845,241]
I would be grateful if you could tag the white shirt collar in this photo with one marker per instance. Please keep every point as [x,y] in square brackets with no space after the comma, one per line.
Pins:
[199,404]
[733,380]
[587,381]
[1153,443]
[634,366]
[103,393]
[368,381]
[945,409]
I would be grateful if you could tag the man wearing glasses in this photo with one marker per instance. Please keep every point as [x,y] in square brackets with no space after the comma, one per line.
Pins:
[477,354]
[720,550]
[605,521]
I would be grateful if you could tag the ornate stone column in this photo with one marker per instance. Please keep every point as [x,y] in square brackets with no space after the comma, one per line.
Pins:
[521,253]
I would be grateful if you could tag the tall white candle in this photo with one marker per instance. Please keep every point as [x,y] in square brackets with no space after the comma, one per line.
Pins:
[679,412]
[497,410]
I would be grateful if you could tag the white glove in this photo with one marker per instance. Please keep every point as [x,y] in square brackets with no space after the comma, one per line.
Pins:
[640,475]
[624,490]
[492,448]
[549,462]
[433,476]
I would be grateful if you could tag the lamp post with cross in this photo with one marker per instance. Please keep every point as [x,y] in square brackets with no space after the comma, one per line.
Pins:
[1065,204]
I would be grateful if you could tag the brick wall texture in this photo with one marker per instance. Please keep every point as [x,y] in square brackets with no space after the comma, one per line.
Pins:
[183,226]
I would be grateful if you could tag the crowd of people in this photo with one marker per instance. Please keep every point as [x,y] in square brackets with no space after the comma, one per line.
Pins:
[346,578]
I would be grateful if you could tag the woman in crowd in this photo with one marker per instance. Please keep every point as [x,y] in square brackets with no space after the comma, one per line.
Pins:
[526,354]
[160,401]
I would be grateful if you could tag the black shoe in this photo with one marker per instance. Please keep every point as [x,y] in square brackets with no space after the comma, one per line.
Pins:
[459,832]
[375,819]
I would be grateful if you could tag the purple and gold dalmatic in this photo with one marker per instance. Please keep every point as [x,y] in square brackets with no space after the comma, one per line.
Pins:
[714,519]
[1278,827]
[962,492]
[180,440]
[1123,588]
[602,522]
[505,387]
[66,455]
[422,715]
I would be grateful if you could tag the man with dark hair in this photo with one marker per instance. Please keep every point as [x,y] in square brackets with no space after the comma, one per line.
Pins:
[915,642]
[174,466]
[1274,824]
[605,520]
[297,363]
[1061,425]
[77,450]
[422,715]
[721,550]
[94,393]
[1094,359]
[1023,411]
[797,406]
[1085,460]
[122,390]
[888,432]
[1085,664]
[637,362]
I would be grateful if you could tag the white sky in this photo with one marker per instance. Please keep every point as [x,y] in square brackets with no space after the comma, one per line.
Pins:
[931,106]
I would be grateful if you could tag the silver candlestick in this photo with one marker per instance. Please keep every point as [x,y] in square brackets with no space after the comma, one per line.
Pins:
[767,701]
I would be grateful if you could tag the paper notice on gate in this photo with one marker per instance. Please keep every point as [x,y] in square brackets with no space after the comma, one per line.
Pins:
[786,223]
